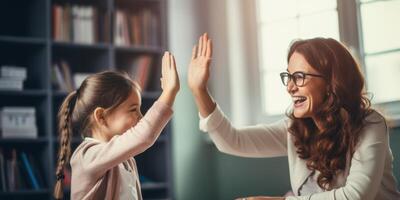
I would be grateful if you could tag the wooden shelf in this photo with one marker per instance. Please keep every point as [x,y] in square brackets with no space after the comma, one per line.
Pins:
[139,49]
[33,141]
[28,41]
[22,40]
[27,93]
[72,45]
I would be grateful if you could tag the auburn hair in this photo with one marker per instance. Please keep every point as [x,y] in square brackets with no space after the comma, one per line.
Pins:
[341,114]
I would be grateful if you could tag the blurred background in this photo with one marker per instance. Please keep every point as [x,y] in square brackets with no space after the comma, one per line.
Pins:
[47,47]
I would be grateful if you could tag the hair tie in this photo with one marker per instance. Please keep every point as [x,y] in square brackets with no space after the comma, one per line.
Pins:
[60,176]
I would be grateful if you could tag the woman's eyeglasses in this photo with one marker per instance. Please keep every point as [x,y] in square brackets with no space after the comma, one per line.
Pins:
[297,77]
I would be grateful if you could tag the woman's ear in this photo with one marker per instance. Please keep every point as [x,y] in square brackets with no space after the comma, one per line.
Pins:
[98,116]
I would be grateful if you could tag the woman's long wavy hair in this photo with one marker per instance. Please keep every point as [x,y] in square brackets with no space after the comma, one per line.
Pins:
[105,89]
[341,115]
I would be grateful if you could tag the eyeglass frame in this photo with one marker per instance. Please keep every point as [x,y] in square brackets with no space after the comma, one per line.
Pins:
[294,78]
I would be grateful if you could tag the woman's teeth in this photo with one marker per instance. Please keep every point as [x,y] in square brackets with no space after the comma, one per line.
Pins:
[298,99]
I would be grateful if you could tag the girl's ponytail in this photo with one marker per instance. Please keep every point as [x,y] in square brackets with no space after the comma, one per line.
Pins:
[65,131]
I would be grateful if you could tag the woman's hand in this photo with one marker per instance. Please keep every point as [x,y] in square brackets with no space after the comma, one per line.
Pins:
[199,67]
[198,75]
[169,80]
[261,198]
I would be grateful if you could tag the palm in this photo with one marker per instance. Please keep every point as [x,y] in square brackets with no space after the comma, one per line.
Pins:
[199,67]
[169,79]
[198,73]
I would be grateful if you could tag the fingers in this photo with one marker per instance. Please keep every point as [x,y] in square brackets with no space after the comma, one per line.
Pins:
[168,60]
[164,65]
[173,63]
[194,52]
[204,48]
[209,49]
[199,49]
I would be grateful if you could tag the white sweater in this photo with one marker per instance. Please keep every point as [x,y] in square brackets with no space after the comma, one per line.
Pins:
[368,176]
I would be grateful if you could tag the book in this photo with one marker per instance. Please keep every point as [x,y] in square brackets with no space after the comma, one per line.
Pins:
[37,171]
[3,180]
[28,167]
[66,72]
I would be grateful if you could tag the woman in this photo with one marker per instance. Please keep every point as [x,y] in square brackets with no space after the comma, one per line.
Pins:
[337,146]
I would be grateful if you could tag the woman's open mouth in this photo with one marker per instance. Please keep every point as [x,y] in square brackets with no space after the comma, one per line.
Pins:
[298,101]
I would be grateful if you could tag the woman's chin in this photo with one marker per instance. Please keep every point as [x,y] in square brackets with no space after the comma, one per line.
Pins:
[300,113]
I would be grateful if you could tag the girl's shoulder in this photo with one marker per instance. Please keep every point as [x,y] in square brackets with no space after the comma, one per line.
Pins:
[82,148]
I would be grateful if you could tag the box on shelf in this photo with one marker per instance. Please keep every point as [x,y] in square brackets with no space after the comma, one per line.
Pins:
[18,122]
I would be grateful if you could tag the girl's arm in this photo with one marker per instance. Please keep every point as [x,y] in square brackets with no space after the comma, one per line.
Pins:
[99,157]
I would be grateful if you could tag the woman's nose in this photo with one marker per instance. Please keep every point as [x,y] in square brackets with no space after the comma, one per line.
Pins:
[291,87]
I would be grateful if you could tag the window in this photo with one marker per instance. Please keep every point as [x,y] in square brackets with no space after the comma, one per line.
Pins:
[278,23]
[380,37]
[375,42]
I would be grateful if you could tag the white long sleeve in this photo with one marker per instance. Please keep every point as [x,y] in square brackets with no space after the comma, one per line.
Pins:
[252,141]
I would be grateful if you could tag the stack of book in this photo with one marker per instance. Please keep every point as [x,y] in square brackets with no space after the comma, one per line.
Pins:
[140,28]
[63,79]
[140,68]
[12,77]
[19,171]
[18,122]
[75,23]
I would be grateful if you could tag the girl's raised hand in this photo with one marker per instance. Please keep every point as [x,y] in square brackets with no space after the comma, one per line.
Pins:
[199,67]
[169,78]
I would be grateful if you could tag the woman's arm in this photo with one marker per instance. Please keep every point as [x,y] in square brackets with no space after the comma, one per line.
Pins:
[250,141]
[254,141]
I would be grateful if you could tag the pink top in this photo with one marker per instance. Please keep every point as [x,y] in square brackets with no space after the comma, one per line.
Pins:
[95,165]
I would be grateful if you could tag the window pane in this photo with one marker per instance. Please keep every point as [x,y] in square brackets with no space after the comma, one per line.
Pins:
[277,100]
[312,6]
[275,40]
[380,25]
[270,10]
[320,25]
[383,73]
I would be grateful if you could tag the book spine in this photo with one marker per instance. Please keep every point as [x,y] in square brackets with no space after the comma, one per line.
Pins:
[28,168]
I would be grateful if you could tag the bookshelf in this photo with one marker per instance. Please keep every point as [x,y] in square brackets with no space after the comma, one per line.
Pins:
[32,37]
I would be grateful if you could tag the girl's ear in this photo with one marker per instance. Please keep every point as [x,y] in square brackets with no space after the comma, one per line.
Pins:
[98,115]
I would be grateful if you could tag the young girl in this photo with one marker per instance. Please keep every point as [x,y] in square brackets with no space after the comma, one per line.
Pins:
[106,111]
